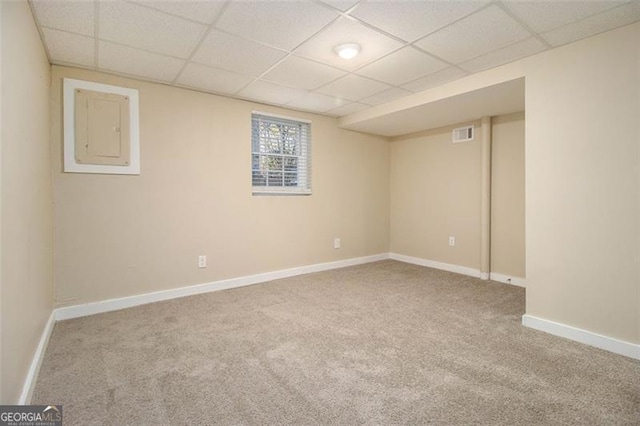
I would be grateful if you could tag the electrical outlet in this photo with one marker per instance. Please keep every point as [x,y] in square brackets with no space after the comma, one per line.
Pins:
[202,261]
[336,243]
[452,241]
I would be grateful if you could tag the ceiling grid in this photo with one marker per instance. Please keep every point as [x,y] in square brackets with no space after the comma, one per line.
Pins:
[282,52]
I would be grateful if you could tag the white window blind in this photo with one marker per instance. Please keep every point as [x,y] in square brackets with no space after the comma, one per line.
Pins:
[281,155]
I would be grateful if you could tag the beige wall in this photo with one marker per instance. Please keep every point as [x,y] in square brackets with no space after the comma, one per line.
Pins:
[27,288]
[582,184]
[507,195]
[436,190]
[582,191]
[124,235]
[435,193]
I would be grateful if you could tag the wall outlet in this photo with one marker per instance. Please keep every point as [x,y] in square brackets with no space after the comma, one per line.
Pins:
[452,241]
[202,261]
[336,243]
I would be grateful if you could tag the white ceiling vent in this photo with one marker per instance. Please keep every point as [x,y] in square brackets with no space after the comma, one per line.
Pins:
[463,134]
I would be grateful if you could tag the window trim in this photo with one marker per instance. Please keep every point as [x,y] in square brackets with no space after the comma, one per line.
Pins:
[284,190]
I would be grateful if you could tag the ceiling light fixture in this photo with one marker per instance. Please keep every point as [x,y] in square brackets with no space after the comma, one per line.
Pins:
[347,50]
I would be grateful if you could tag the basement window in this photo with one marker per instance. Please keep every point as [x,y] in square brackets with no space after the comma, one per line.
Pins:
[280,155]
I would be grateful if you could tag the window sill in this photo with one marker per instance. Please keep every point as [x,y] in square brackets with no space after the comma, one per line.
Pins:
[280,191]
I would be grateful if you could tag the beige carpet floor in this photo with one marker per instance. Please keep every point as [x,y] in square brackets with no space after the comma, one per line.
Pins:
[383,343]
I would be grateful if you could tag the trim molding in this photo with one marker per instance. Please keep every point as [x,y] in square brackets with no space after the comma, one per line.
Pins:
[610,344]
[508,279]
[464,270]
[77,311]
[437,265]
[36,362]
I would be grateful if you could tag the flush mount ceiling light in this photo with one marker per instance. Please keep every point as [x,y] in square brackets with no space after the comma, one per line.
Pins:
[347,50]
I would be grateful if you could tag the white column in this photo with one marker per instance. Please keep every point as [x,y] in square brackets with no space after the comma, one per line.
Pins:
[485,203]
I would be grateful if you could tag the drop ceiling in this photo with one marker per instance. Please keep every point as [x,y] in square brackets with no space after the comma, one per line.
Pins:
[281,52]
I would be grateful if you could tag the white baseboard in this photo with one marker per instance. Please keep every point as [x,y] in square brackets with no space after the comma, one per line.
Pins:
[36,362]
[76,311]
[508,279]
[464,270]
[436,265]
[610,344]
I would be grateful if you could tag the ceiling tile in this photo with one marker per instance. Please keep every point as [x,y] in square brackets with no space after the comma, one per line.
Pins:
[317,102]
[348,109]
[200,11]
[518,50]
[115,57]
[436,79]
[283,24]
[144,28]
[372,44]
[212,79]
[404,65]
[341,4]
[302,73]
[596,24]
[353,87]
[410,20]
[475,35]
[69,48]
[76,17]
[235,54]
[386,96]
[543,16]
[270,92]
[152,39]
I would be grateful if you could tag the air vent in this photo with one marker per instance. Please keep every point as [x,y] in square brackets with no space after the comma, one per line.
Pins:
[463,134]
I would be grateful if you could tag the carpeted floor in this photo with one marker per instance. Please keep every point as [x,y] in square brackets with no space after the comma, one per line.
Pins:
[382,343]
